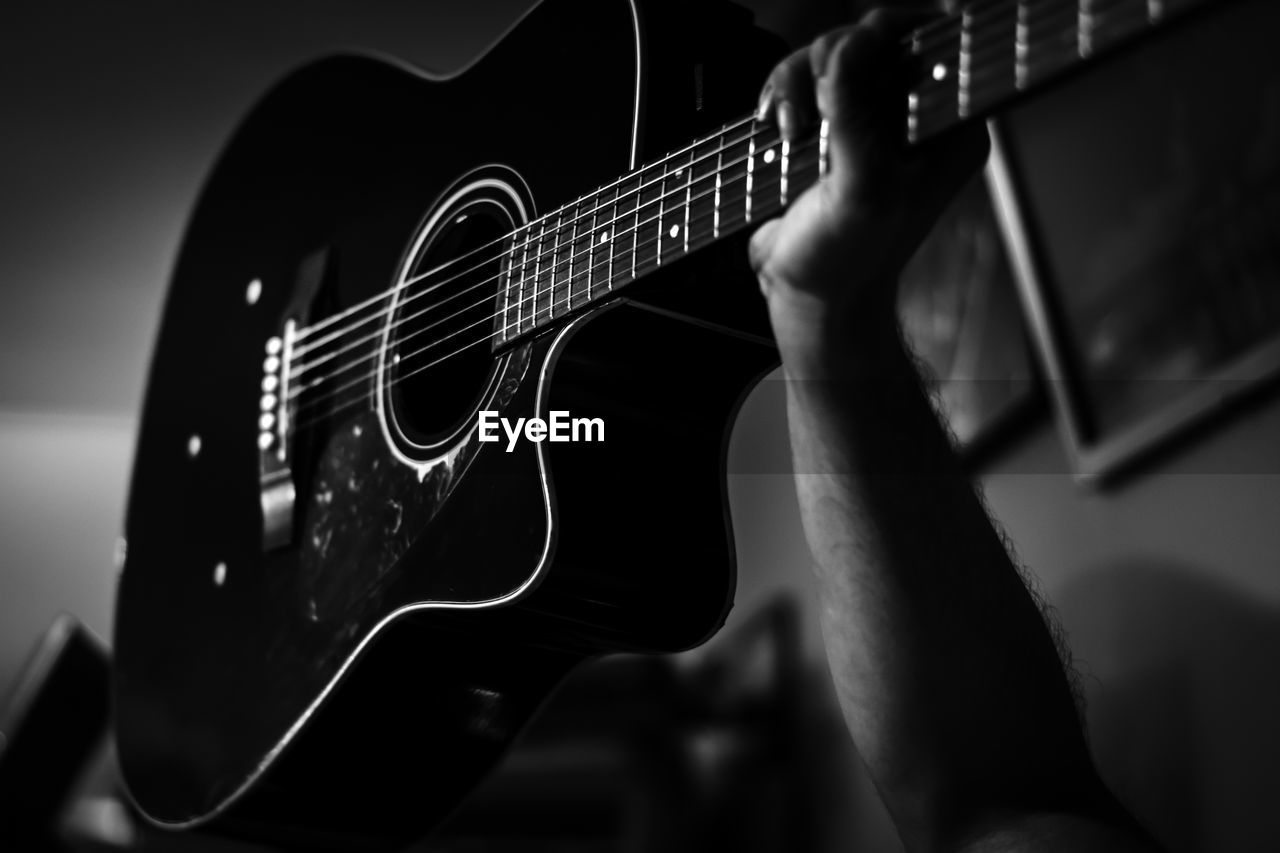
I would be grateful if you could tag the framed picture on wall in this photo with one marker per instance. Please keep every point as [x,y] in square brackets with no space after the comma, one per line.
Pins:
[1141,205]
[959,310]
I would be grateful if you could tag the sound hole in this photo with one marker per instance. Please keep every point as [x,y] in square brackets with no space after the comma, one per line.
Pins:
[441,338]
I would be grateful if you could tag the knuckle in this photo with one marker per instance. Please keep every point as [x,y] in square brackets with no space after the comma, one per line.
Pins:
[820,50]
[879,20]
[827,47]
[785,73]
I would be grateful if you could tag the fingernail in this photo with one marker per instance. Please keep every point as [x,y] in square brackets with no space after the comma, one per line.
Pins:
[762,109]
[786,120]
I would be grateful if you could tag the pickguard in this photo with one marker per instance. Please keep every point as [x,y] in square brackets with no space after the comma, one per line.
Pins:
[367,508]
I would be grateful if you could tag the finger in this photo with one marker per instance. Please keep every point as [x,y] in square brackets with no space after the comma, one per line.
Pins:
[859,93]
[788,97]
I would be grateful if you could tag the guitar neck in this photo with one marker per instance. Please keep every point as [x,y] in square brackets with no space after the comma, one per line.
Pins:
[960,68]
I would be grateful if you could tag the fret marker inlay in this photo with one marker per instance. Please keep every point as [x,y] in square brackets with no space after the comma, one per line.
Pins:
[964,68]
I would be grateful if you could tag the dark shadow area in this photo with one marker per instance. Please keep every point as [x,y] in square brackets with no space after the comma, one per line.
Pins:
[1183,719]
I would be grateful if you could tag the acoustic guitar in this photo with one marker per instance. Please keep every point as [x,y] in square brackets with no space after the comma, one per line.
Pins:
[440,402]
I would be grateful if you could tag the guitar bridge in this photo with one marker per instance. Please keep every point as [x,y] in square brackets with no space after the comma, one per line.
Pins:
[275,472]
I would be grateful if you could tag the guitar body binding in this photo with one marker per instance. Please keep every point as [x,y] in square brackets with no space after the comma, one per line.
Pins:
[434,588]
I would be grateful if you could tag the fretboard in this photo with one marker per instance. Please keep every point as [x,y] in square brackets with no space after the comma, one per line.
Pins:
[962,68]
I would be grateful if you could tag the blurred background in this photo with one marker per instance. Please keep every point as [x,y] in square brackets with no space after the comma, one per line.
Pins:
[1167,583]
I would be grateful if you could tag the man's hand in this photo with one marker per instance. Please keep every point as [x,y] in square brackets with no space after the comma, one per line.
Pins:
[833,259]
[949,680]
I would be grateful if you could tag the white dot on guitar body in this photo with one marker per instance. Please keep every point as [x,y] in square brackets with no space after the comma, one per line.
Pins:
[769,155]
[675,229]
[220,574]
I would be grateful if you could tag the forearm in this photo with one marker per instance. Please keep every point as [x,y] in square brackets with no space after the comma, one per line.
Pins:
[945,669]
[947,673]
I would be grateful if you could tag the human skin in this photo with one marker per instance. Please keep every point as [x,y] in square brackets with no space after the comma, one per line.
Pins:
[947,673]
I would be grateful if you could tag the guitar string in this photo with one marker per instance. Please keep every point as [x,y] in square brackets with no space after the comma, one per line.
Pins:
[486,338]
[302,333]
[569,296]
[757,132]
[361,380]
[375,352]
[551,253]
[765,130]
[975,91]
[543,234]
[580,216]
[537,258]
[981,12]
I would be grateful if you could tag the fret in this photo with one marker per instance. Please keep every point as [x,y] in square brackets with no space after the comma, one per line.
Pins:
[715,227]
[700,196]
[555,273]
[1084,29]
[966,39]
[507,274]
[664,198]
[932,105]
[675,219]
[1047,40]
[595,202]
[580,253]
[606,239]
[584,249]
[1021,34]
[624,232]
[767,174]
[733,178]
[568,233]
[972,63]
[688,195]
[992,53]
[824,148]
[524,304]
[542,276]
[648,220]
[967,66]
[784,169]
[564,273]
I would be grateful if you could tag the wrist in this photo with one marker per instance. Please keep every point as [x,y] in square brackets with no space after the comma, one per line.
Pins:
[820,337]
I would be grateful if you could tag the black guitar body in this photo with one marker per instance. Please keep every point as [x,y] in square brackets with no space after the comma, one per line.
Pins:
[347,688]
